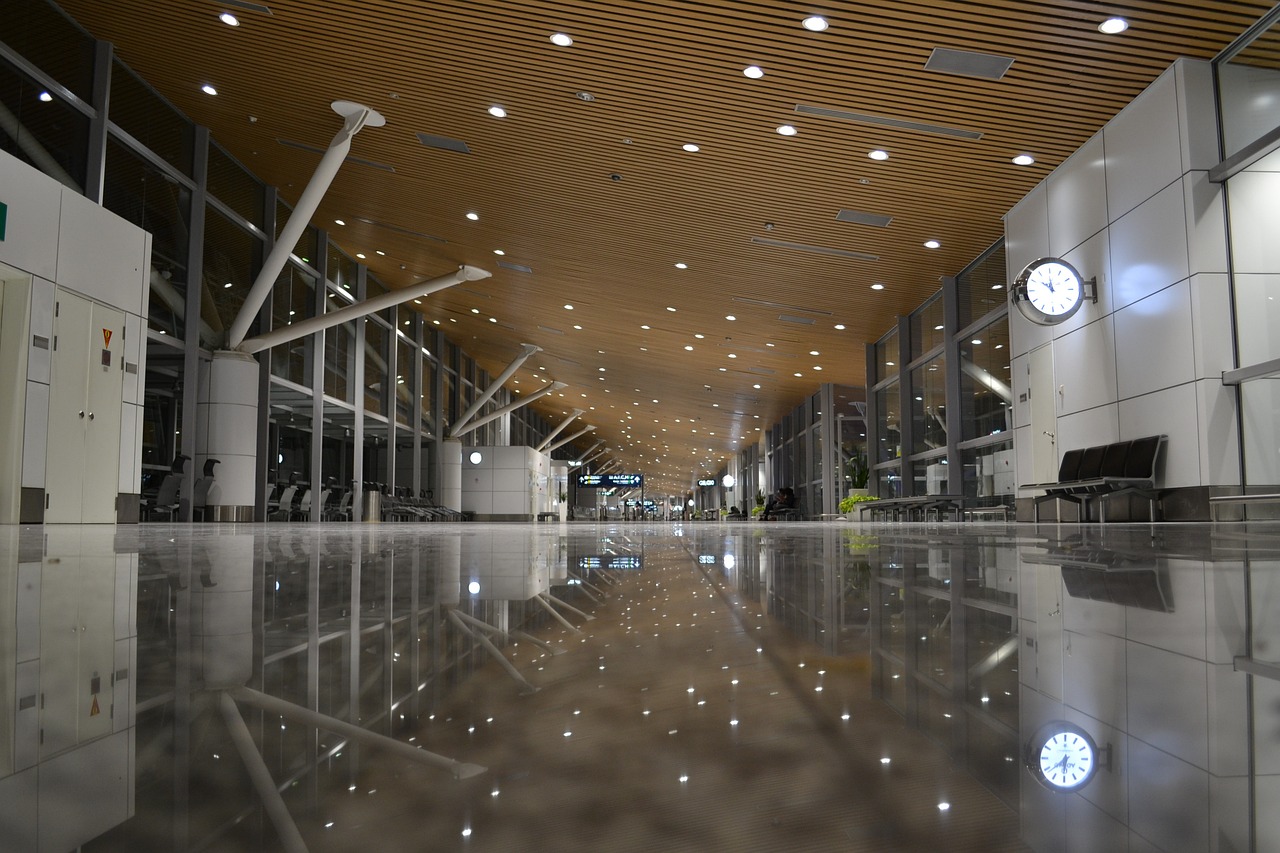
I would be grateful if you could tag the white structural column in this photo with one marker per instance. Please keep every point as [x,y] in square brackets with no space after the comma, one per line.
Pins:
[573,416]
[562,442]
[227,430]
[355,117]
[450,474]
[526,351]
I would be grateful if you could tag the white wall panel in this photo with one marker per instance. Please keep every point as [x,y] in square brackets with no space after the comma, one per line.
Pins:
[1229,815]
[1168,800]
[1094,677]
[18,809]
[1183,629]
[1149,247]
[133,347]
[1087,616]
[1169,412]
[1084,368]
[1024,335]
[31,234]
[40,358]
[1257,313]
[1026,230]
[477,501]
[1212,332]
[1226,609]
[1154,345]
[1219,439]
[1266,694]
[1143,151]
[1197,104]
[35,436]
[129,441]
[511,502]
[101,256]
[1206,210]
[1242,87]
[1168,702]
[1090,829]
[1228,721]
[1078,198]
[1099,425]
[1251,197]
[476,479]
[511,479]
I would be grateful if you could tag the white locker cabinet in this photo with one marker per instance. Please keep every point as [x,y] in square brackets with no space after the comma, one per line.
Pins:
[85,402]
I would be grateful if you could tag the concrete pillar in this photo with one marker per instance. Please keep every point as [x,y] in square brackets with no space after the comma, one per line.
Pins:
[227,430]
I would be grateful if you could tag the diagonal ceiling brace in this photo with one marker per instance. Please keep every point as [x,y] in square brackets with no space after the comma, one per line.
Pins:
[562,442]
[457,432]
[573,416]
[355,117]
[526,351]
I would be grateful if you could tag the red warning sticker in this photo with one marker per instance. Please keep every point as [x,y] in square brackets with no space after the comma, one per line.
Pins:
[106,337]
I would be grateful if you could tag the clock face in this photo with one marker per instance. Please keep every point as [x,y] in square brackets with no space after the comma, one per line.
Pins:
[1049,291]
[1053,288]
[1067,760]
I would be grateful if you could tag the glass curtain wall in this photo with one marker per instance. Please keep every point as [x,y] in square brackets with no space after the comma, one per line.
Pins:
[165,175]
[955,413]
[1248,88]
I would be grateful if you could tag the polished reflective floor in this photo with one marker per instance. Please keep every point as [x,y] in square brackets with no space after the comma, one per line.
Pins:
[643,686]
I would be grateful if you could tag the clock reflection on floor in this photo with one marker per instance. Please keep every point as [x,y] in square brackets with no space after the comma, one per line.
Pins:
[1063,757]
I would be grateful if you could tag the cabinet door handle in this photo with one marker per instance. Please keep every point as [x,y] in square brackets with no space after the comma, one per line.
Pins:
[82,414]
[91,416]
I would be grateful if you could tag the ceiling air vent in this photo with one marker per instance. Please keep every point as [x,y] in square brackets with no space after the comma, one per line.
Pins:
[397,229]
[551,330]
[244,4]
[507,265]
[859,218]
[884,121]
[986,66]
[751,301]
[432,141]
[799,321]
[817,250]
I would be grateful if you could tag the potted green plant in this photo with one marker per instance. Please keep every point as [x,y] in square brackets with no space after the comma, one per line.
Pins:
[859,471]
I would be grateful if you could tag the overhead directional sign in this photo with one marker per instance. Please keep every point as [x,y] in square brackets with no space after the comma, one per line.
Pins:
[610,481]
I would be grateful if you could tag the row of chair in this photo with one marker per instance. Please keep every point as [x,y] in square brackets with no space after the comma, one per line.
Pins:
[1094,474]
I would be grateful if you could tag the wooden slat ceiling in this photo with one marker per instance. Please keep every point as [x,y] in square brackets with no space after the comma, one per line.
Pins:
[662,74]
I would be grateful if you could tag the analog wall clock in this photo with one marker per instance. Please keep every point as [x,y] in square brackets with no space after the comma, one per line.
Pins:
[1050,290]
[1063,757]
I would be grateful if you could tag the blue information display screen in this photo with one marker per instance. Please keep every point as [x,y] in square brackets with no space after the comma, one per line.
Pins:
[610,481]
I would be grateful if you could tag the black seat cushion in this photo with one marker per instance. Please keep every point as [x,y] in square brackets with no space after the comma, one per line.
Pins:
[1113,461]
[1091,463]
[1070,467]
[1141,461]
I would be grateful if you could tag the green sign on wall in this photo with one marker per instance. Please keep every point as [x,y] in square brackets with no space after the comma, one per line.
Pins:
[4,217]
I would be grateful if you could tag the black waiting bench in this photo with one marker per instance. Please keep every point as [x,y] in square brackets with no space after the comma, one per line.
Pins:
[912,508]
[1095,474]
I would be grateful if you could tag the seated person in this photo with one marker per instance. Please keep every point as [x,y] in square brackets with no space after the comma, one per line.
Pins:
[783,499]
[734,513]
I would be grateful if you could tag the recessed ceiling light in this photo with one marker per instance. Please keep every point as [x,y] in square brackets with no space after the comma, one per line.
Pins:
[731,355]
[689,348]
[1111,26]
[798,374]
[473,216]
[46,97]
[380,252]
[840,327]
[814,352]
[360,255]
[931,244]
[228,284]
[877,286]
[755,72]
[756,386]
[498,252]
[1023,160]
[976,341]
[937,328]
[579,328]
[817,367]
[475,310]
[497,111]
[690,147]
[669,308]
[338,222]
[644,327]
[561,40]
[229,19]
[787,130]
[682,266]
[730,317]
[568,307]
[699,336]
[208,90]
[815,24]
[878,154]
